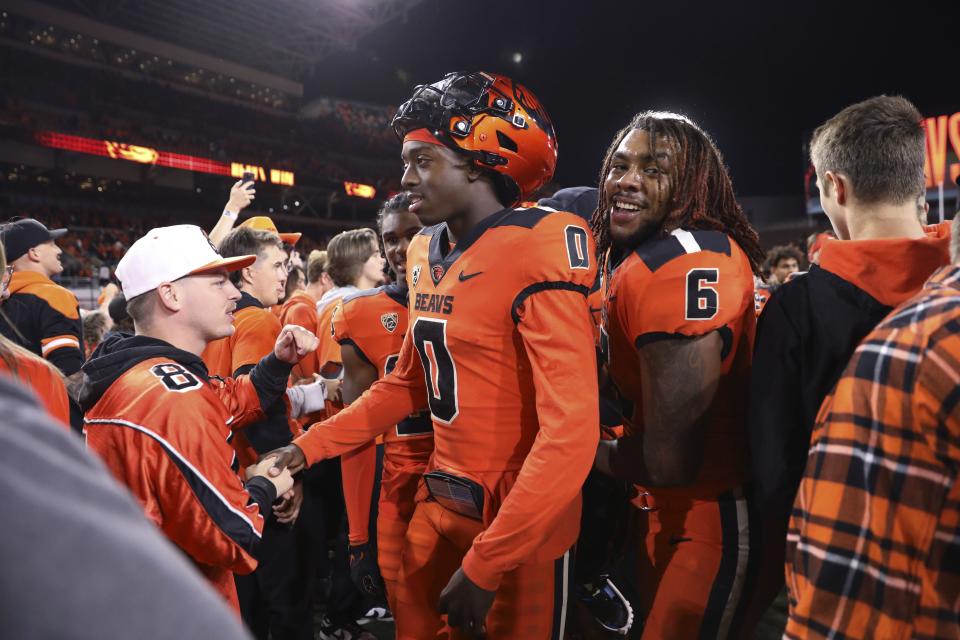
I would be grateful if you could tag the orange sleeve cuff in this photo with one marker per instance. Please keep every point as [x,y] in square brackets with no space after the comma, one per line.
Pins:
[481,572]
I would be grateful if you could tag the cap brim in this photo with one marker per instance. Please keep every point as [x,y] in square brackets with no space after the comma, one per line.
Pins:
[228,264]
[289,238]
[56,233]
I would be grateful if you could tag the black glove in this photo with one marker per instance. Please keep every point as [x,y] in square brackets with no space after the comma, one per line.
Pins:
[364,570]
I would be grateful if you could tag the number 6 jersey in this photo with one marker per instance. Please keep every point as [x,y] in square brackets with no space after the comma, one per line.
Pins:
[500,347]
[686,284]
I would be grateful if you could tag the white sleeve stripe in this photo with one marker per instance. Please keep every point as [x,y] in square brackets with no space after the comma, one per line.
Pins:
[59,342]
[171,450]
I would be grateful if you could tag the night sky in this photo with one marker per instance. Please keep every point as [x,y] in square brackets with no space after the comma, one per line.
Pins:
[757,76]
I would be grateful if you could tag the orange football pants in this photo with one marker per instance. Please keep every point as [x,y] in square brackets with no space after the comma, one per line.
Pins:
[696,566]
[531,602]
[398,493]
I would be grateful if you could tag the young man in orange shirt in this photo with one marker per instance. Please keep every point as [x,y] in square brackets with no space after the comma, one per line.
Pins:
[163,424]
[498,312]
[273,599]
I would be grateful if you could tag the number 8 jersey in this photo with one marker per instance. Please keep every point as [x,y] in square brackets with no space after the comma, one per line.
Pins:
[686,284]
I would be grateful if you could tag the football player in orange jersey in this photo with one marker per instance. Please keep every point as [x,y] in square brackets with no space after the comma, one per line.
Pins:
[679,325]
[500,331]
[354,264]
[370,326]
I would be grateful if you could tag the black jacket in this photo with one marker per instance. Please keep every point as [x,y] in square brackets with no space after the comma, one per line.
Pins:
[807,333]
[805,337]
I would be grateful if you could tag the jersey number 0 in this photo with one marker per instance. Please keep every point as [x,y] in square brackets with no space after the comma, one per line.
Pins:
[430,338]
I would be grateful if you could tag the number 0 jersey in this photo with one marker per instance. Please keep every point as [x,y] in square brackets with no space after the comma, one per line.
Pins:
[687,284]
[500,346]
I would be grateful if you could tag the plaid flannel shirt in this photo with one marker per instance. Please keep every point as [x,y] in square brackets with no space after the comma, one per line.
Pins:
[873,549]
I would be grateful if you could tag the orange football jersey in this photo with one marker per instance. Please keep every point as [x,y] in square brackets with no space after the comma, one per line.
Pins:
[501,348]
[374,323]
[329,349]
[685,284]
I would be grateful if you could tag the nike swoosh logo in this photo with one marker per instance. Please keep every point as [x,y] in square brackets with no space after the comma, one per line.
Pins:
[464,276]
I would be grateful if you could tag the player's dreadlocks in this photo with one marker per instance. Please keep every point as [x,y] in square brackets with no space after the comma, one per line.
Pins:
[702,195]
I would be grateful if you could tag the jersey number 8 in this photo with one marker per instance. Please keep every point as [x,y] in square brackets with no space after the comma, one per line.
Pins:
[430,339]
[175,377]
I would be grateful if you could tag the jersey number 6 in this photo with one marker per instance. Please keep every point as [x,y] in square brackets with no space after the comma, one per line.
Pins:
[702,300]
[430,338]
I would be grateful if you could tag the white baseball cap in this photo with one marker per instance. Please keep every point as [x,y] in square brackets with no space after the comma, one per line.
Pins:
[166,254]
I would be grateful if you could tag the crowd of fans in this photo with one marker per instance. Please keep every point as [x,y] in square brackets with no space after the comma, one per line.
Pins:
[344,141]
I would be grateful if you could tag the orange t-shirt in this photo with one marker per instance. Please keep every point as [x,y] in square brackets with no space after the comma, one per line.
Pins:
[301,309]
[374,322]
[254,336]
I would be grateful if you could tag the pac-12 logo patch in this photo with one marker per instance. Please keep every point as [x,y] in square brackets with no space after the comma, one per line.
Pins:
[389,321]
[416,275]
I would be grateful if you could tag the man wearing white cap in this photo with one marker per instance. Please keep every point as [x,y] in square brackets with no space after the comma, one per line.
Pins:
[163,426]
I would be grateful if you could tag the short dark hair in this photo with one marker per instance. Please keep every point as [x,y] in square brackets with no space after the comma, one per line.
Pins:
[141,307]
[246,241]
[347,252]
[783,252]
[878,144]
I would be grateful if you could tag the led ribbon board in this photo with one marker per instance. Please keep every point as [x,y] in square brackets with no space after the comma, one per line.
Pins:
[147,155]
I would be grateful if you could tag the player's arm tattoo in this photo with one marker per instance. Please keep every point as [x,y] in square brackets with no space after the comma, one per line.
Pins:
[680,379]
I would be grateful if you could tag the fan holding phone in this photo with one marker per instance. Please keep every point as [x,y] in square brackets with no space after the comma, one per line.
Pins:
[241,195]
